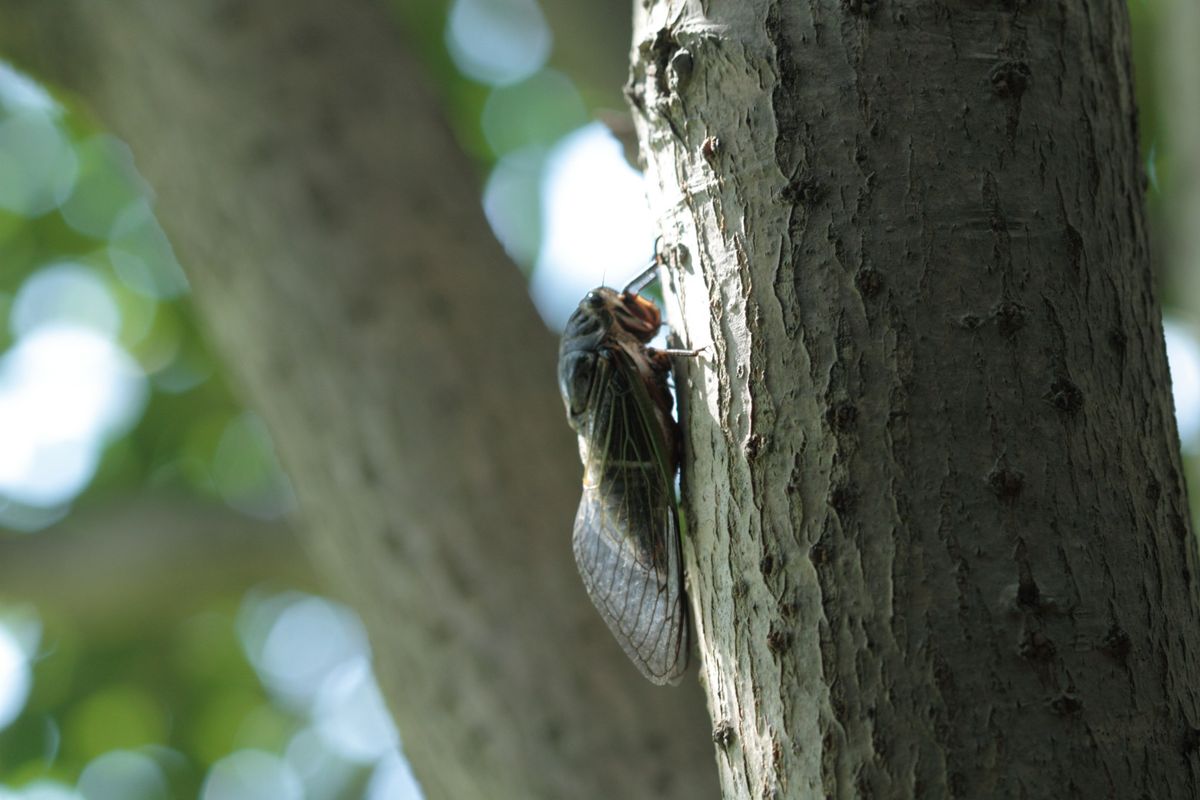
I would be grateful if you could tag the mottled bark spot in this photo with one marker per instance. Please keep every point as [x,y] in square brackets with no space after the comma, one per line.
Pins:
[778,640]
[1191,740]
[869,281]
[1010,318]
[842,417]
[1010,79]
[1153,490]
[860,8]
[843,498]
[1066,704]
[1036,647]
[1006,484]
[767,565]
[1116,644]
[1065,396]
[805,191]
[1074,248]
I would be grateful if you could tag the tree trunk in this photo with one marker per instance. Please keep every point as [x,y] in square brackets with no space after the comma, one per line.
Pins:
[334,238]
[938,539]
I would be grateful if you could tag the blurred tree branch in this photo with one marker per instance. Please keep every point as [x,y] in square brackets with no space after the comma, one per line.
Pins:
[333,234]
[114,565]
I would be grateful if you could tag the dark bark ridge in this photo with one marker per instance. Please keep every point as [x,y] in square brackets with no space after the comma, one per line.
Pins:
[939,542]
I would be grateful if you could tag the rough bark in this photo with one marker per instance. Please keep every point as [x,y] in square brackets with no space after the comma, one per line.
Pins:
[333,235]
[939,543]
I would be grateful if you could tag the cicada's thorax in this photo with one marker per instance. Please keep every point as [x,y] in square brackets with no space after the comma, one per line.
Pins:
[610,325]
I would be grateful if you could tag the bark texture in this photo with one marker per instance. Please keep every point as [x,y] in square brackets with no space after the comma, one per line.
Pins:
[939,543]
[334,238]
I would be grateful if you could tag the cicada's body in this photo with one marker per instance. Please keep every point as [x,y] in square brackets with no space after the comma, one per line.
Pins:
[626,538]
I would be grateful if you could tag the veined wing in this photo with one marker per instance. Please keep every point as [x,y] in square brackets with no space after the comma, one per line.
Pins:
[626,537]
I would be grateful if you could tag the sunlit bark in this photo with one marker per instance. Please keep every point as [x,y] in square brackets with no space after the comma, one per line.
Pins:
[939,542]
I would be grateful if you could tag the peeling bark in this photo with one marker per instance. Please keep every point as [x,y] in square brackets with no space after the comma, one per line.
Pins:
[333,234]
[938,537]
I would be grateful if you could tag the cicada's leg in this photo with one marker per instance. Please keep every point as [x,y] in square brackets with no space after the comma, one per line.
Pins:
[655,353]
[639,283]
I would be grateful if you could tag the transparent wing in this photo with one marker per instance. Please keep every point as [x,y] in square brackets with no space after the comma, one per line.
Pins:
[626,538]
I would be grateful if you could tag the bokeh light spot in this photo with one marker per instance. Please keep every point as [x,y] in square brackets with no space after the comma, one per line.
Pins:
[497,42]
[64,392]
[393,780]
[280,635]
[512,203]
[597,223]
[142,256]
[37,164]
[15,677]
[107,185]
[65,293]
[537,111]
[350,713]
[123,775]
[252,775]
[1183,356]
[18,91]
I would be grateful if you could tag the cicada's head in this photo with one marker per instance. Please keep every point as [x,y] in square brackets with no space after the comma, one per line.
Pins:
[603,309]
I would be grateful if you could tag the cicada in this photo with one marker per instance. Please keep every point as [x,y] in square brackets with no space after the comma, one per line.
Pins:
[626,537]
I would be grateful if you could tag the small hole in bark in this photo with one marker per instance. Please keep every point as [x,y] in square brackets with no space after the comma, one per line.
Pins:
[724,735]
[767,565]
[754,446]
[711,149]
[662,50]
[681,71]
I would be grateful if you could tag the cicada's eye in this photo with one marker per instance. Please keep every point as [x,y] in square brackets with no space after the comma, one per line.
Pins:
[594,301]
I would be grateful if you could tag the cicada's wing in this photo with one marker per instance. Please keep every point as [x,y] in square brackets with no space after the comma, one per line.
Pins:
[626,538]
